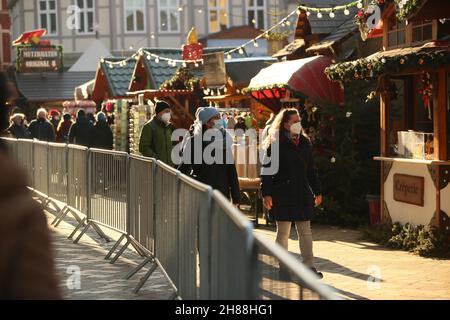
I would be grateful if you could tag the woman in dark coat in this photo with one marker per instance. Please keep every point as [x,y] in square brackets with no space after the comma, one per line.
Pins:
[293,190]
[220,175]
[18,129]
[102,136]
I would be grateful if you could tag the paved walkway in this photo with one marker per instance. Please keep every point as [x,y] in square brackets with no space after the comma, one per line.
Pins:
[100,280]
[347,263]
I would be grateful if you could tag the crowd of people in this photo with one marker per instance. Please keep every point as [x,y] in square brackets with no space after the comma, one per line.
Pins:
[85,130]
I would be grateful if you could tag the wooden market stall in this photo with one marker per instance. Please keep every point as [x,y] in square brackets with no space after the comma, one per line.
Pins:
[413,73]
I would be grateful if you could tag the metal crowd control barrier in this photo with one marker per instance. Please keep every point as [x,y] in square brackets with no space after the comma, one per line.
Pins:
[202,243]
[230,252]
[12,146]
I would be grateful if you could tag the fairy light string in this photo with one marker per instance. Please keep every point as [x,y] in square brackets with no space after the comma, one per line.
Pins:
[331,12]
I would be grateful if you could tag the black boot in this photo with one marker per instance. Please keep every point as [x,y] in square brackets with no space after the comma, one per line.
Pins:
[317,273]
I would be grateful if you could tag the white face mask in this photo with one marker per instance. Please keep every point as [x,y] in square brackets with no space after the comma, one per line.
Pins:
[166,117]
[296,128]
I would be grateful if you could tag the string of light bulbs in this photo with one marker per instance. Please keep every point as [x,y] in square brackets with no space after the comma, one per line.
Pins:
[240,49]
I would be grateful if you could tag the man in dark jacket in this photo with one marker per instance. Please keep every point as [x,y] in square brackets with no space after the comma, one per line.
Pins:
[102,136]
[81,131]
[18,129]
[156,136]
[221,173]
[41,129]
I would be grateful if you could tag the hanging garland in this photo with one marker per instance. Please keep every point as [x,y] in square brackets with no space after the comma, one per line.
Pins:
[368,68]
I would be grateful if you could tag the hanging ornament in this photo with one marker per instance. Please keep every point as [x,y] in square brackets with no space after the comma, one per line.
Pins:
[241,50]
[427,92]
[346,11]
[319,15]
[332,15]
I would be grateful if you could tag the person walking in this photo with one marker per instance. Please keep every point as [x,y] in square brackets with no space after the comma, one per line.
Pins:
[102,135]
[156,136]
[41,129]
[220,173]
[81,131]
[62,134]
[18,129]
[292,192]
[27,267]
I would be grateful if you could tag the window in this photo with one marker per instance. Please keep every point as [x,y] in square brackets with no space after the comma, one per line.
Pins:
[86,18]
[48,16]
[218,15]
[169,18]
[396,33]
[255,13]
[135,15]
[422,31]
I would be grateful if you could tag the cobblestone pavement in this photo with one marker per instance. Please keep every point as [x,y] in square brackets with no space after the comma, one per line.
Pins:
[347,263]
[99,279]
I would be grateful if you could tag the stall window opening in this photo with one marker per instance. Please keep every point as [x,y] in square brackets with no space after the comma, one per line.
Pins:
[422,31]
[396,33]
[411,129]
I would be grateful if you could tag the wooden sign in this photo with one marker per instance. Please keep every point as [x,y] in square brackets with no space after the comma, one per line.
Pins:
[31,59]
[409,189]
[214,66]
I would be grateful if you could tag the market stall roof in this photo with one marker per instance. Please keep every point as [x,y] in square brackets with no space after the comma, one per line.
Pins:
[342,33]
[430,56]
[149,74]
[84,91]
[241,71]
[159,94]
[88,62]
[48,87]
[227,98]
[112,79]
[303,76]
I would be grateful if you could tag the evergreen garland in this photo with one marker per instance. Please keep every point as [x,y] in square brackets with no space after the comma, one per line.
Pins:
[368,68]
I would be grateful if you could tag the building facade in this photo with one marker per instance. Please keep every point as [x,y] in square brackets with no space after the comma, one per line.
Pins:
[5,38]
[124,26]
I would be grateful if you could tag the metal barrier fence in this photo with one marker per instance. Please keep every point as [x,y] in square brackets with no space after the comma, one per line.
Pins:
[202,243]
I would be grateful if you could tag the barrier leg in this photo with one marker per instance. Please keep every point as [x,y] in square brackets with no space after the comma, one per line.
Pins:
[82,233]
[145,278]
[137,247]
[121,251]
[115,246]
[139,268]
[81,224]
[59,215]
[101,233]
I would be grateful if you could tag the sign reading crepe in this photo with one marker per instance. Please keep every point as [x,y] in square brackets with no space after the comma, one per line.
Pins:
[409,189]
[214,68]
[31,59]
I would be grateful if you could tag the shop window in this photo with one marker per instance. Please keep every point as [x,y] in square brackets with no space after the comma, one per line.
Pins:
[255,13]
[169,18]
[422,31]
[135,15]
[396,33]
[87,16]
[48,16]
[218,15]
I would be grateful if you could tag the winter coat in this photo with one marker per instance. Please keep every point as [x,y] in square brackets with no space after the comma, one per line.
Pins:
[19,132]
[81,132]
[220,176]
[156,141]
[42,130]
[295,184]
[102,136]
[27,270]
[63,131]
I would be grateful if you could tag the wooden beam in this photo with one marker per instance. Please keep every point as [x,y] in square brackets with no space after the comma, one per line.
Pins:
[384,117]
[440,115]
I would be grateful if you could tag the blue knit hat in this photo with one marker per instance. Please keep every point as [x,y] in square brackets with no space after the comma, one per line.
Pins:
[101,116]
[207,113]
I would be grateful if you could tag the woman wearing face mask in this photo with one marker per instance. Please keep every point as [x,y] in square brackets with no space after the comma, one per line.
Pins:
[221,173]
[291,192]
